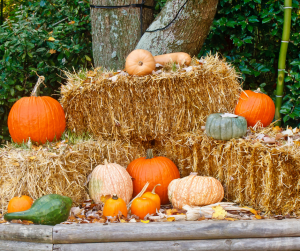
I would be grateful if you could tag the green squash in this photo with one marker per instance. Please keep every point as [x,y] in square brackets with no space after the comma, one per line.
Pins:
[225,128]
[50,209]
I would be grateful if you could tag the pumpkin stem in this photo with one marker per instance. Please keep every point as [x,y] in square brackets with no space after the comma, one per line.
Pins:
[149,154]
[115,197]
[105,162]
[258,91]
[36,90]
[140,63]
[153,191]
[194,173]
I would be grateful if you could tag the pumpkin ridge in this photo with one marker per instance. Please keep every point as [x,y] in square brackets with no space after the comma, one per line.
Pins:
[123,181]
[50,108]
[45,127]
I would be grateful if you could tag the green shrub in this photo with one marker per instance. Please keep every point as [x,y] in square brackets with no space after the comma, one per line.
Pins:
[26,49]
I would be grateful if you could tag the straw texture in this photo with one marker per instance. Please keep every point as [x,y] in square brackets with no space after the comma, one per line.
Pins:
[170,101]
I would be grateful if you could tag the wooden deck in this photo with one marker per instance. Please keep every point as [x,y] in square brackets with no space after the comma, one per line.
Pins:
[241,235]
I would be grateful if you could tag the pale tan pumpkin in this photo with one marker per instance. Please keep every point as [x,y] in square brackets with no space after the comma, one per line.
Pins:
[140,62]
[110,179]
[181,58]
[195,190]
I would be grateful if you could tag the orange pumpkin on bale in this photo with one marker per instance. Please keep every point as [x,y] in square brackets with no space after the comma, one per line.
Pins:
[37,118]
[155,170]
[140,62]
[18,204]
[255,106]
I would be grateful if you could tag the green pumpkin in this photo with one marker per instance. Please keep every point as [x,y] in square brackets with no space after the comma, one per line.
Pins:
[225,128]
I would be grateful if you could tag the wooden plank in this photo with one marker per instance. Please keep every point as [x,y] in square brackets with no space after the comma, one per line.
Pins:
[27,233]
[254,244]
[201,230]
[24,246]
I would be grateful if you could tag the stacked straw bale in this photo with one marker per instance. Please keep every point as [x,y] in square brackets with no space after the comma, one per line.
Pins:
[119,106]
[266,177]
[61,169]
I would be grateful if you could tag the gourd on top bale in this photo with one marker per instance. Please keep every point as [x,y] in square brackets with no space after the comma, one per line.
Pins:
[171,100]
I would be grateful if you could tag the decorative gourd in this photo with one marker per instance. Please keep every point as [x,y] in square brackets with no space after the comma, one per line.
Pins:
[195,190]
[18,204]
[155,170]
[225,126]
[143,206]
[110,179]
[255,106]
[153,196]
[37,118]
[50,209]
[181,58]
[113,206]
[140,62]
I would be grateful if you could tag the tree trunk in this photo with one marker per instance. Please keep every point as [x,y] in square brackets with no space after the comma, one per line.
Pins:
[116,32]
[188,31]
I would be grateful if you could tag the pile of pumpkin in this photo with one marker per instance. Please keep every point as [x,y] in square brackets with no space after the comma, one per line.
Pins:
[119,185]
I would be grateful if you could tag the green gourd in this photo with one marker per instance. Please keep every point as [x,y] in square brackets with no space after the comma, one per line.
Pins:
[225,128]
[50,209]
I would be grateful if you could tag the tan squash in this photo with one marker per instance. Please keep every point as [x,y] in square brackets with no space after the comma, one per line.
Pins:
[110,179]
[140,62]
[195,190]
[181,58]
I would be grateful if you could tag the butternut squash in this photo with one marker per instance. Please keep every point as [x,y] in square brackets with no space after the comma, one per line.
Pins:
[181,58]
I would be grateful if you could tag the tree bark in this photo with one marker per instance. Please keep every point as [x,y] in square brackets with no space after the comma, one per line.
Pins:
[116,32]
[188,31]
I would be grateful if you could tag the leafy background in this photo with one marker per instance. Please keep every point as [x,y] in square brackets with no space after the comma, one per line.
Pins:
[245,32]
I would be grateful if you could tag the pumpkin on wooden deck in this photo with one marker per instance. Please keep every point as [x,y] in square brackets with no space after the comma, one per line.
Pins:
[255,106]
[19,204]
[143,206]
[140,62]
[41,119]
[155,170]
[113,206]
[195,190]
[225,126]
[153,196]
[110,179]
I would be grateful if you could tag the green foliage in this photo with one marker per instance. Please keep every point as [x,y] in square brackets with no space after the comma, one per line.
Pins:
[248,34]
[27,49]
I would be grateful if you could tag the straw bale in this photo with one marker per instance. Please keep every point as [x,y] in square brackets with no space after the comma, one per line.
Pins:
[167,102]
[253,173]
[61,168]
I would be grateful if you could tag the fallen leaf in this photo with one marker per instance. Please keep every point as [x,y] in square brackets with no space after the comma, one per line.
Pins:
[103,198]
[277,129]
[201,218]
[230,219]
[171,211]
[171,219]
[258,217]
[71,218]
[145,221]
[81,216]
[51,39]
[72,22]
[253,211]
[123,221]
[219,213]
[52,51]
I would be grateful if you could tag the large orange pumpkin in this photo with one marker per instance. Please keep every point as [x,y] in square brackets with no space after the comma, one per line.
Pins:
[195,190]
[113,206]
[255,106]
[143,206]
[155,170]
[37,118]
[18,204]
[140,62]
[110,179]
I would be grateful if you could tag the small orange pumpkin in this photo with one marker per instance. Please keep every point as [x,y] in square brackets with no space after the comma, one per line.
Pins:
[255,106]
[18,204]
[113,206]
[181,58]
[153,196]
[143,206]
[140,62]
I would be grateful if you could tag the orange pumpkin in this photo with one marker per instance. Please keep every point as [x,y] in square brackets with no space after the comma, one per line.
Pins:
[113,206]
[153,196]
[195,190]
[155,170]
[18,204]
[181,58]
[140,62]
[110,179]
[255,106]
[143,206]
[37,118]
